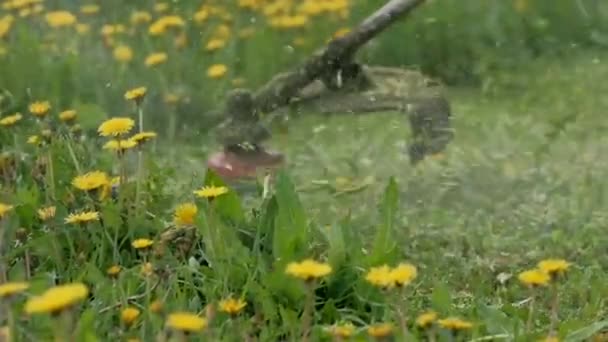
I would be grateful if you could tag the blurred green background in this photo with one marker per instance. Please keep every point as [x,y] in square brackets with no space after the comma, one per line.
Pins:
[466,43]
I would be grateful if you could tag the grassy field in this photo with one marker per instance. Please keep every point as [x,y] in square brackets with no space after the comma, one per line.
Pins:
[522,182]
[140,251]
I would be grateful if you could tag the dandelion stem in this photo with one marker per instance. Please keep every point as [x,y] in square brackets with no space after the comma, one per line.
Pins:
[308,311]
[51,175]
[530,314]
[400,304]
[431,334]
[140,158]
[72,155]
[27,264]
[140,114]
[16,142]
[554,310]
[3,228]
[11,322]
[140,169]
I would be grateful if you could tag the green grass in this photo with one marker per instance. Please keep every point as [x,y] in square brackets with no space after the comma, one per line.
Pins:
[523,181]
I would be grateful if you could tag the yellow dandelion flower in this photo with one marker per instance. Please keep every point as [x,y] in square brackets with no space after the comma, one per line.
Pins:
[123,53]
[91,181]
[341,331]
[12,288]
[156,306]
[520,6]
[11,120]
[165,23]
[217,71]
[143,137]
[136,94]
[380,276]
[109,30]
[289,22]
[147,269]
[4,209]
[129,315]
[47,213]
[550,339]
[215,44]
[453,323]
[426,319]
[534,278]
[171,98]
[34,140]
[201,16]
[60,19]
[232,306]
[113,270]
[57,299]
[142,243]
[116,126]
[140,17]
[380,330]
[554,267]
[120,145]
[161,7]
[83,29]
[83,217]
[250,4]
[155,59]
[157,29]
[403,274]
[67,115]
[308,269]
[211,191]
[6,23]
[222,32]
[89,9]
[185,214]
[40,108]
[186,322]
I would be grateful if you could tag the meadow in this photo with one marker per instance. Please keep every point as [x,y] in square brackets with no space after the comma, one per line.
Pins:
[112,228]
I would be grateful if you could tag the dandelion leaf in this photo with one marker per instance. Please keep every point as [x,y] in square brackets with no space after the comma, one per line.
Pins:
[441,298]
[228,205]
[86,326]
[586,333]
[290,240]
[497,321]
[337,244]
[384,240]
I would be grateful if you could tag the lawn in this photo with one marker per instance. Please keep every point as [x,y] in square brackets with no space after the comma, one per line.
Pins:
[106,237]
[521,182]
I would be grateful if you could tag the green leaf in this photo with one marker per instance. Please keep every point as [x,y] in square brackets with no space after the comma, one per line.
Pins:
[384,241]
[587,332]
[86,326]
[290,239]
[228,206]
[496,321]
[337,245]
[441,299]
